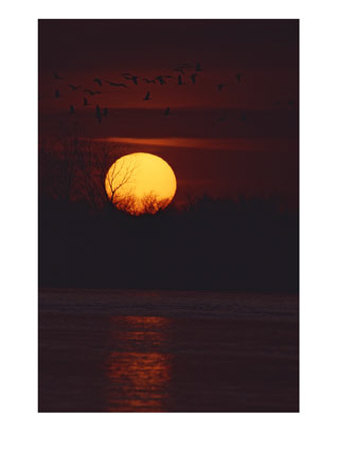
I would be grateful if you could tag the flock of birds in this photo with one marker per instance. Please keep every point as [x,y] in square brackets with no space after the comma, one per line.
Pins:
[185,73]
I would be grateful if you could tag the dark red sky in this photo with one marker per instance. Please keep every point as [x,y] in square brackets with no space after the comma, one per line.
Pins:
[243,139]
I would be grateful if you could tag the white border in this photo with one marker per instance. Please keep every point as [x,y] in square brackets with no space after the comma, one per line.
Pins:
[22,426]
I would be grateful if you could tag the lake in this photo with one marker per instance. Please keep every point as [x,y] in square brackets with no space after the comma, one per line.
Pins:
[167,351]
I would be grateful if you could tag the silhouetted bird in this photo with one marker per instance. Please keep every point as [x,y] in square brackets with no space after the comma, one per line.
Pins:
[238,76]
[57,93]
[198,67]
[149,81]
[90,92]
[193,77]
[105,112]
[57,76]
[98,114]
[116,84]
[85,102]
[73,87]
[167,111]
[180,80]
[161,80]
[147,96]
[133,78]
[98,81]
[72,109]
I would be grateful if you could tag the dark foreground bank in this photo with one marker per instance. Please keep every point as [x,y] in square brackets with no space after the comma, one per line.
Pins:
[244,245]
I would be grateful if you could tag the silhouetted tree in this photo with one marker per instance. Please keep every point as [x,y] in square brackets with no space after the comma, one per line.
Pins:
[119,175]
[151,204]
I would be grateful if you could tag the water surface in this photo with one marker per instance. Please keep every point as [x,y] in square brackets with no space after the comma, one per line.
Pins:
[149,351]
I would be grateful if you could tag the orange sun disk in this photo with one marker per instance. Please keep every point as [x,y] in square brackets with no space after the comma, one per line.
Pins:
[140,183]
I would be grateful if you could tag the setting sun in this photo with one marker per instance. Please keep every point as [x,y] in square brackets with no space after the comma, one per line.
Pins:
[140,183]
[168,219]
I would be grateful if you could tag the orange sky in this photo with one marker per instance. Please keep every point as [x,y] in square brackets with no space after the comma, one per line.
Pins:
[242,139]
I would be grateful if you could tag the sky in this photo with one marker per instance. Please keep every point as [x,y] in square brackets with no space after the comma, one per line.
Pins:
[242,139]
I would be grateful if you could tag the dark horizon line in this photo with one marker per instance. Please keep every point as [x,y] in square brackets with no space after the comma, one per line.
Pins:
[190,201]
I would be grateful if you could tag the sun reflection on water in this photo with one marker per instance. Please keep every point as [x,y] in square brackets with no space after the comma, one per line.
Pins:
[139,369]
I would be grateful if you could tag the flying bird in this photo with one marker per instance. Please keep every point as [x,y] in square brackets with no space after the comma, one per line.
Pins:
[194,77]
[73,87]
[180,80]
[161,80]
[134,79]
[57,76]
[116,84]
[147,96]
[167,111]
[72,109]
[98,114]
[57,93]
[129,76]
[98,81]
